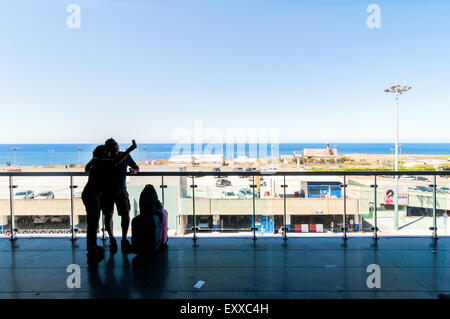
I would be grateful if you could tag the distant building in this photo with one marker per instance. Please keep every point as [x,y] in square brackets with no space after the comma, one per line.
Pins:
[320,153]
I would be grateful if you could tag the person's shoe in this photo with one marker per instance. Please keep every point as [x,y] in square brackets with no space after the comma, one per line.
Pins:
[113,245]
[93,258]
[100,250]
[125,246]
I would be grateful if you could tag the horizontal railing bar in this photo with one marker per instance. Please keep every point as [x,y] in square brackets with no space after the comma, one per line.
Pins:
[225,174]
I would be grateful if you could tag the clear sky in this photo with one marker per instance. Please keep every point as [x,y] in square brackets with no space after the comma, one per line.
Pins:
[141,69]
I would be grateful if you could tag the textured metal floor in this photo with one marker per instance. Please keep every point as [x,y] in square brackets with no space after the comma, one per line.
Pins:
[231,268]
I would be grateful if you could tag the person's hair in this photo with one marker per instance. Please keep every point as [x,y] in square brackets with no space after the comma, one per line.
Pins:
[152,204]
[111,144]
[390,191]
[100,151]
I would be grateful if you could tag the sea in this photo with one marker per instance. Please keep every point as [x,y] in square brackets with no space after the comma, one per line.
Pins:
[66,154]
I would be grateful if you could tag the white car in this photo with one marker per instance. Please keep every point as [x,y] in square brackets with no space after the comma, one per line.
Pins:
[40,219]
[229,195]
[24,194]
[45,195]
[269,170]
[245,193]
[56,219]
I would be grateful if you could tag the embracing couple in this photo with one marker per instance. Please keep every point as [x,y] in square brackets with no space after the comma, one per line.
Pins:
[106,186]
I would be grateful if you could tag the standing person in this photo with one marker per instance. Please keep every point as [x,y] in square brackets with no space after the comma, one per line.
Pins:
[100,170]
[117,194]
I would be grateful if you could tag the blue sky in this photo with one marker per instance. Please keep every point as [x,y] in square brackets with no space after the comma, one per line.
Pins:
[141,69]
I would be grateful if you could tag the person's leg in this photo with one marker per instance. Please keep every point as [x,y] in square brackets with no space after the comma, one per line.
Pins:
[92,204]
[107,203]
[123,208]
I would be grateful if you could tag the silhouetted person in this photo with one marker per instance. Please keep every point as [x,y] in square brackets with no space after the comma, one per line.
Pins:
[117,194]
[101,169]
[149,229]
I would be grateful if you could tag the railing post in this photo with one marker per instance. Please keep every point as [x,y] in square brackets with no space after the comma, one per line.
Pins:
[11,208]
[253,206]
[194,238]
[375,225]
[345,208]
[434,207]
[71,209]
[103,227]
[284,206]
[162,189]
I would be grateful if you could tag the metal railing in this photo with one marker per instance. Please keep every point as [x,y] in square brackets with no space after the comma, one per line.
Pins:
[196,174]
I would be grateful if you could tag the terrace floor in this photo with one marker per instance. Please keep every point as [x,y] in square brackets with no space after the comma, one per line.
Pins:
[231,268]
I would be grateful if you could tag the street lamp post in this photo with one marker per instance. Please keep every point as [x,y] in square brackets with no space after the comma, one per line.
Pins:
[397,90]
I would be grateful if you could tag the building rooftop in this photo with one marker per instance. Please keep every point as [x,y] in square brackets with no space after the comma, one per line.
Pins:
[231,268]
[320,152]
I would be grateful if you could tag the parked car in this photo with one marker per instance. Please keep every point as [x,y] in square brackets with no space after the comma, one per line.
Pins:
[56,219]
[24,194]
[229,195]
[424,188]
[239,169]
[203,223]
[223,182]
[45,195]
[269,170]
[245,193]
[40,219]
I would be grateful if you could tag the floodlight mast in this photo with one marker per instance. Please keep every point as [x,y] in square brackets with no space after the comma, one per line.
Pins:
[397,89]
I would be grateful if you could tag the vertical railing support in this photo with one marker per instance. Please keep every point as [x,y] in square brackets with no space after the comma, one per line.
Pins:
[253,206]
[103,227]
[72,223]
[375,225]
[163,186]
[284,206]
[344,186]
[434,206]
[194,238]
[11,208]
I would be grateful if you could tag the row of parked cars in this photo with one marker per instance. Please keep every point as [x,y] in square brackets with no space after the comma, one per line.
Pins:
[29,194]
[223,182]
[444,190]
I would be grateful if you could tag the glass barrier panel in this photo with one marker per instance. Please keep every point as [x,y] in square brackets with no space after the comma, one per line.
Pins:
[315,205]
[414,215]
[42,205]
[270,205]
[443,208]
[79,215]
[361,204]
[4,206]
[223,205]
